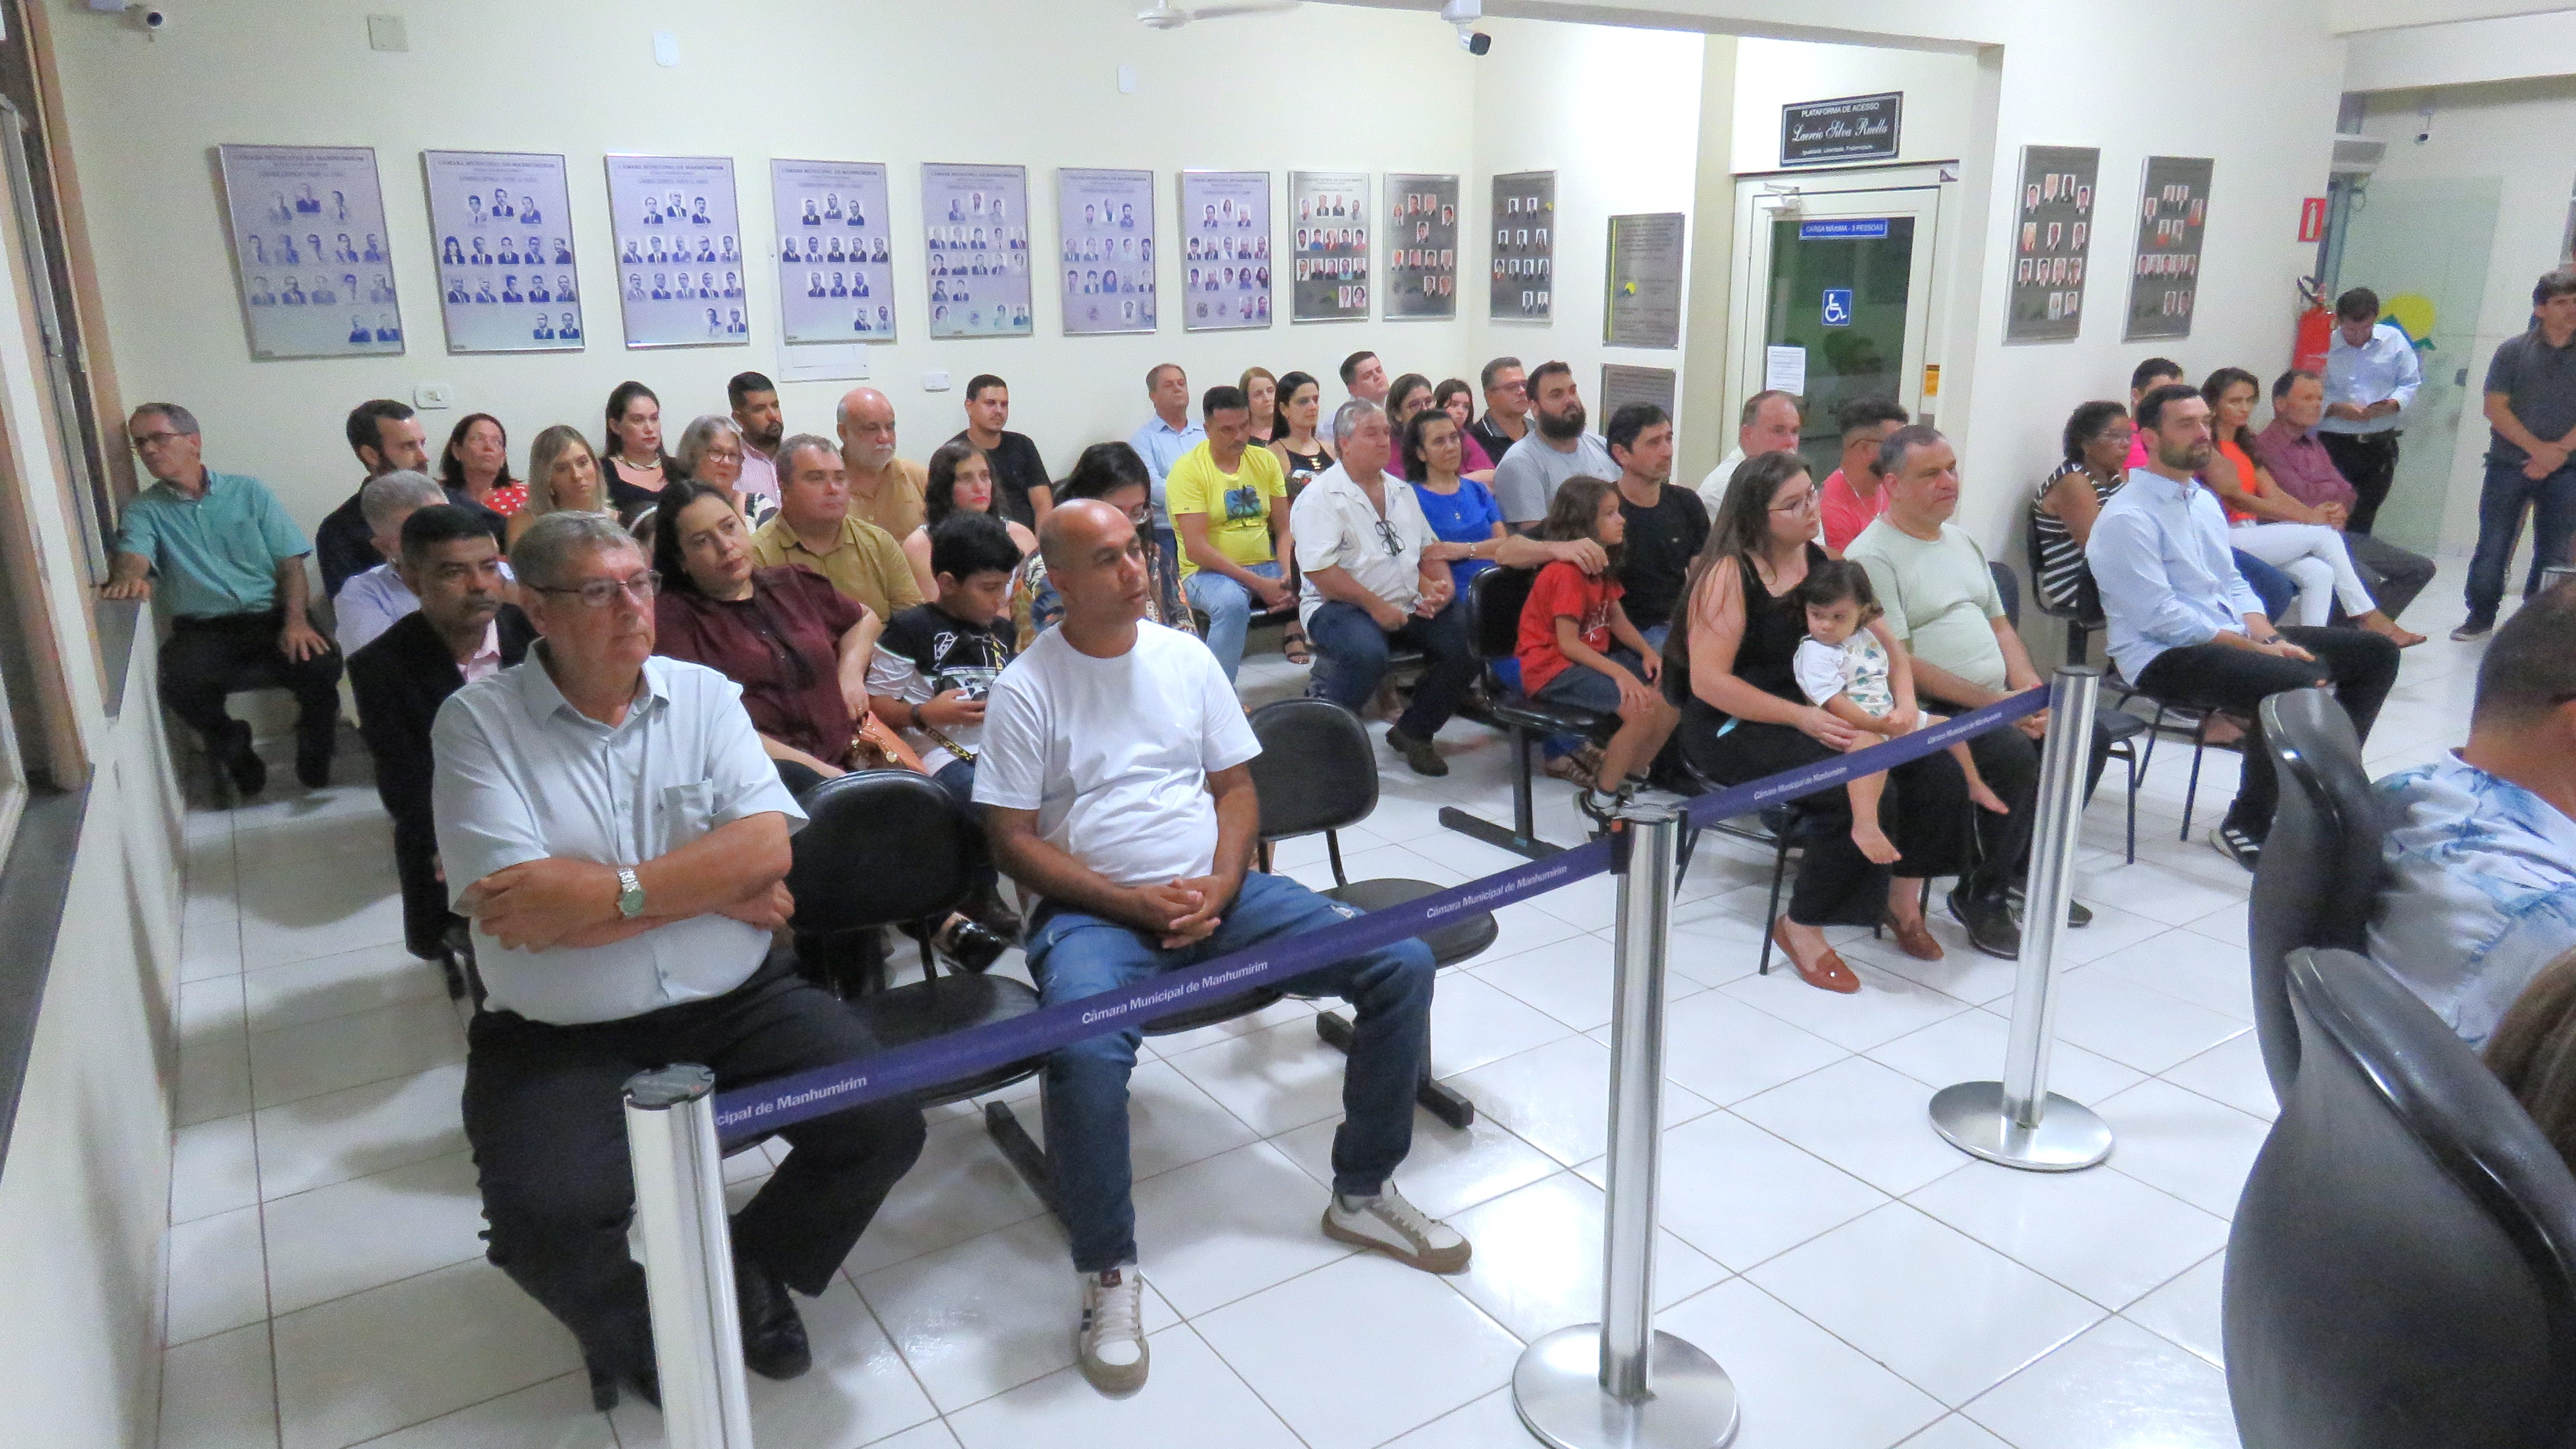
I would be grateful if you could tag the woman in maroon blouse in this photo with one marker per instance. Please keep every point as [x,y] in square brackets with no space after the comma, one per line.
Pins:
[800,651]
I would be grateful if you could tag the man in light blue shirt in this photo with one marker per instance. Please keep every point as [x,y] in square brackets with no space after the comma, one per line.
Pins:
[230,565]
[2185,627]
[2480,846]
[1164,439]
[2371,377]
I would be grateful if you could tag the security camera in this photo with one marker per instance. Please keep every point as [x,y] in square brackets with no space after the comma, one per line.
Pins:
[1464,14]
[1474,42]
[149,18]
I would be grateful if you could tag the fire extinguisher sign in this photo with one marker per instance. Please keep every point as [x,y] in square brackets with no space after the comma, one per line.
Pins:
[2312,219]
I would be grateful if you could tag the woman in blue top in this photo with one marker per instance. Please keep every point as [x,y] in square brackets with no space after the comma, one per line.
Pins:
[1462,511]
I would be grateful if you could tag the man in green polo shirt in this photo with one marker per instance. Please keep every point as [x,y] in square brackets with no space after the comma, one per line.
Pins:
[231,569]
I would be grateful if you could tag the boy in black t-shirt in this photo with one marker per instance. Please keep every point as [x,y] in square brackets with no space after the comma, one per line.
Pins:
[936,661]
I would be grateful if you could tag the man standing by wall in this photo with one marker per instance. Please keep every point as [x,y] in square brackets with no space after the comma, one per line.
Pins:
[1556,449]
[2531,454]
[2371,376]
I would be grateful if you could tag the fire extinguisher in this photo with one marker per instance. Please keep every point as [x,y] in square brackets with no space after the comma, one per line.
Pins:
[2315,334]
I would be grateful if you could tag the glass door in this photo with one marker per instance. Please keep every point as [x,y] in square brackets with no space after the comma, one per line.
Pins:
[1834,292]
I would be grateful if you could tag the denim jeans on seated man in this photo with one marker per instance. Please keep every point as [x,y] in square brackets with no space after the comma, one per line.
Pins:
[2276,589]
[1351,654]
[1228,606]
[1072,955]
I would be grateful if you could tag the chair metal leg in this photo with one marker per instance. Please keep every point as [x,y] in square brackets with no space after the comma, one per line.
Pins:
[1440,1100]
[1020,1150]
[1522,839]
[1779,872]
[2132,762]
[2191,790]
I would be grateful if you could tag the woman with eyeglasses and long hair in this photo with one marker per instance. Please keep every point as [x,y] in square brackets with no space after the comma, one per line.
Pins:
[1731,664]
[563,477]
[476,463]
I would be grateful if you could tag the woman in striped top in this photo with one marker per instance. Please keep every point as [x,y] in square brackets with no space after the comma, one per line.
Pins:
[2062,512]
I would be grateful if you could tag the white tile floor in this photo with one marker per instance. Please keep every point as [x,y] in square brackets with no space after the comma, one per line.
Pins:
[1866,1285]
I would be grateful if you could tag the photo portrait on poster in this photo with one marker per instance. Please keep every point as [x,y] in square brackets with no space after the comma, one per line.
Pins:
[500,223]
[1225,222]
[2052,237]
[2173,214]
[975,227]
[1524,250]
[1328,214]
[680,261]
[835,251]
[310,250]
[1105,220]
[1421,246]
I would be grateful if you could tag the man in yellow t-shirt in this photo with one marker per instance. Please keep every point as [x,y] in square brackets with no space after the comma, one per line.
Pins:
[1227,502]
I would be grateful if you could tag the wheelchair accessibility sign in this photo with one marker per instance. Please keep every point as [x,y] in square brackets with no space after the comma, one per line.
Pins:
[1838,306]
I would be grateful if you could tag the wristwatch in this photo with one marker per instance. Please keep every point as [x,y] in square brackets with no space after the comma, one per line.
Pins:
[630,894]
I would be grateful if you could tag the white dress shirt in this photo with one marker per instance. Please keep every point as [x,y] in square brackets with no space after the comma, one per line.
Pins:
[374,601]
[2160,557]
[1712,489]
[2384,367]
[523,776]
[1337,527]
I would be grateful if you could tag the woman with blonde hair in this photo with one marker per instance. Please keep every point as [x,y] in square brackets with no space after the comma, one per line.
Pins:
[563,477]
[1261,387]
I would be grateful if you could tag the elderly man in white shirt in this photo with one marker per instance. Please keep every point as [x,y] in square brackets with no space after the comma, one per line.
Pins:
[1376,577]
[370,602]
[1771,424]
[611,825]
[2372,374]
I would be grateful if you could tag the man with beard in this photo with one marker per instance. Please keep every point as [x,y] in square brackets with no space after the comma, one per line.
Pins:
[2185,625]
[756,412]
[1556,449]
[884,490]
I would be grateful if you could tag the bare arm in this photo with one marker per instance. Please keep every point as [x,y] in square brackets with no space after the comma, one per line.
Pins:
[1176,912]
[1518,551]
[297,640]
[129,576]
[1900,679]
[1203,554]
[858,649]
[2259,495]
[1041,503]
[2071,501]
[1714,638]
[916,552]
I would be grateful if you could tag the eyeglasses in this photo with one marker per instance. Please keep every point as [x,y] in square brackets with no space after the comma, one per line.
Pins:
[600,593]
[723,455]
[1799,504]
[1393,540]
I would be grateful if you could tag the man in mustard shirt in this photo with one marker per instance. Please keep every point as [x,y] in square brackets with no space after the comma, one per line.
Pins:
[816,528]
[1232,533]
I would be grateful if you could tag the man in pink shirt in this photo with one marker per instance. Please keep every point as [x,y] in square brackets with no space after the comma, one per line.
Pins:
[1854,496]
[754,399]
[2151,374]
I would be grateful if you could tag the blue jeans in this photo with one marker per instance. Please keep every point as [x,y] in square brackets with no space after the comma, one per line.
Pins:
[1228,606]
[1073,955]
[2552,501]
[1351,657]
[2276,589]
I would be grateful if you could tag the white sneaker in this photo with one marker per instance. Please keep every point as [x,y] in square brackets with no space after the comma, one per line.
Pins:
[1388,1224]
[1111,1344]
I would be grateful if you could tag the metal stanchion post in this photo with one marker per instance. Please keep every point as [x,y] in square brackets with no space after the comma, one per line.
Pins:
[688,1257]
[2018,1122]
[1619,1384]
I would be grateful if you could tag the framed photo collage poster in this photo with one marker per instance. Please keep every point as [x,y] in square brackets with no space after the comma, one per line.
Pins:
[313,254]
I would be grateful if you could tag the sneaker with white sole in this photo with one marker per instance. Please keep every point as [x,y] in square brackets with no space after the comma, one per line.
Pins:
[1111,1345]
[1388,1224]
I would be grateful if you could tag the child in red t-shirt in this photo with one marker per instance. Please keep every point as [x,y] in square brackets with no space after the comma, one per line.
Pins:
[1577,646]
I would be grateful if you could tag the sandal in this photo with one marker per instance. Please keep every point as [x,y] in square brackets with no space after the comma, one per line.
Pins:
[1829,972]
[1293,644]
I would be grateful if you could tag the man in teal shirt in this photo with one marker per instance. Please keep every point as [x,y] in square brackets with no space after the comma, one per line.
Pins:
[231,568]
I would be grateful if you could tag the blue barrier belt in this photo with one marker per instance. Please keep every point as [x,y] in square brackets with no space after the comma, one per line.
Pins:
[960,1055]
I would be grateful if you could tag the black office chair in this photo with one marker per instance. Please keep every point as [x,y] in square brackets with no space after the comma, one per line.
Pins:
[1317,772]
[2122,726]
[2401,1272]
[1494,600]
[887,847]
[2321,873]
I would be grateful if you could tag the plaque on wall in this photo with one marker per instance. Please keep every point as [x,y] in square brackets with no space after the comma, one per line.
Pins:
[2052,240]
[2173,213]
[1838,132]
[1105,220]
[975,222]
[1644,305]
[835,251]
[680,263]
[1225,220]
[1524,254]
[310,251]
[501,222]
[1622,385]
[1421,246]
[1329,211]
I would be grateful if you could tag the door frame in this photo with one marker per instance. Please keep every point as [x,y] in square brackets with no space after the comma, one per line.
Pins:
[1758,198]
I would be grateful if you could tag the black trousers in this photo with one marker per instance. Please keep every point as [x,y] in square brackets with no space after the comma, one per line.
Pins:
[2367,461]
[2008,761]
[2359,665]
[544,1113]
[2393,575]
[1924,812]
[206,658]
[424,896]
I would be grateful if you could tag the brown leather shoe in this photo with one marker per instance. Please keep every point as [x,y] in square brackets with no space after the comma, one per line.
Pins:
[1916,940]
[1827,973]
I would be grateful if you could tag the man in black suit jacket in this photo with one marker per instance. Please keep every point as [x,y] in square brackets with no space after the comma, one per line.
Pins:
[462,631]
[386,436]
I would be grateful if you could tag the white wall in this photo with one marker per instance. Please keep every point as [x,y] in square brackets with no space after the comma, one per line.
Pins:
[1939,87]
[1616,115]
[2463,53]
[1325,87]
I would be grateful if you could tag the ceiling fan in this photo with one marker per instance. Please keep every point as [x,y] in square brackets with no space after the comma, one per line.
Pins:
[1173,17]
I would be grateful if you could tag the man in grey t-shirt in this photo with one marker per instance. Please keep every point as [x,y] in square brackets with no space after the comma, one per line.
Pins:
[1554,449]
[2531,457]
